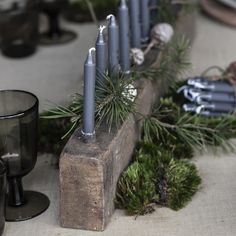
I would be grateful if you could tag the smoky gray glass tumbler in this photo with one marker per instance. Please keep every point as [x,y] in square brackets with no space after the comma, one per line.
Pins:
[18,149]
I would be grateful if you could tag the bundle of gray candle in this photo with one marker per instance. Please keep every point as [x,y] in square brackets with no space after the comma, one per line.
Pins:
[207,97]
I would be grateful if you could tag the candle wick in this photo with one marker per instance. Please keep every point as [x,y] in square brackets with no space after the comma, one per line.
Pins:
[101,28]
[92,50]
[110,16]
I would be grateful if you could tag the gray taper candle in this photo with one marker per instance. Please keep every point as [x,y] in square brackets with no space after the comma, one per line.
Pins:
[101,55]
[135,23]
[113,46]
[89,95]
[145,20]
[123,16]
[210,85]
[219,107]
[215,97]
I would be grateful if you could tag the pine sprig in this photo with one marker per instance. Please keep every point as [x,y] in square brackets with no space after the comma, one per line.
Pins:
[73,113]
[178,54]
[168,122]
[114,101]
[173,64]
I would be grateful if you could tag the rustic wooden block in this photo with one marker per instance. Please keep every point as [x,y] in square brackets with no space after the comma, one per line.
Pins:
[89,171]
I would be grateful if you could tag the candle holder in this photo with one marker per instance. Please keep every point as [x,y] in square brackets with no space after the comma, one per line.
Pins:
[55,34]
[2,195]
[19,28]
[18,149]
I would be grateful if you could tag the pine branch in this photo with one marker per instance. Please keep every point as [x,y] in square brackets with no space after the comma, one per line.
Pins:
[173,64]
[72,112]
[167,122]
[114,101]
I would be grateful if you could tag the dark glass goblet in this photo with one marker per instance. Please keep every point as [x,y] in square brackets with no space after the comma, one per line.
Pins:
[2,195]
[55,34]
[19,28]
[18,149]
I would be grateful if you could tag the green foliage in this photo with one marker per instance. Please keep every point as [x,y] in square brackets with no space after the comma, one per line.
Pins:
[114,102]
[170,135]
[136,189]
[178,55]
[168,124]
[182,181]
[179,149]
[72,113]
[173,64]
[155,177]
[50,133]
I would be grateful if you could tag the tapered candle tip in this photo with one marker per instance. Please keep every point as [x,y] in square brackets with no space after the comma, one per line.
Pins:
[89,59]
[100,39]
[92,50]
[112,20]
[110,16]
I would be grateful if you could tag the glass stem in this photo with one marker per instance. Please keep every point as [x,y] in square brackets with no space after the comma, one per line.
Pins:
[15,192]
[54,26]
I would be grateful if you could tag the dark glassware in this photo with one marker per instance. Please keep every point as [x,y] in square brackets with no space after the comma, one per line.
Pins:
[2,195]
[55,34]
[19,28]
[18,149]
